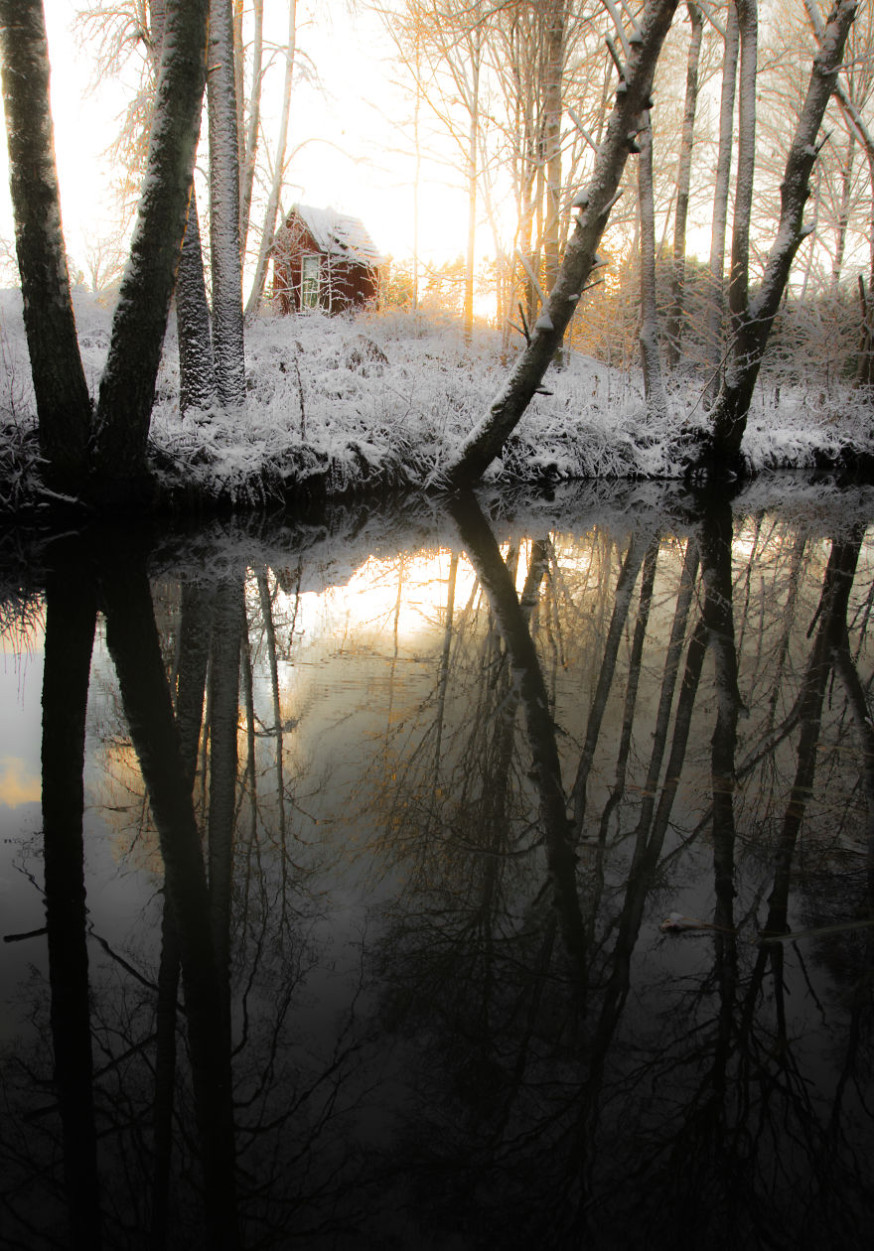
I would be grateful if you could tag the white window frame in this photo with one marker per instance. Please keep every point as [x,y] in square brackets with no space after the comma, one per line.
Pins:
[310,280]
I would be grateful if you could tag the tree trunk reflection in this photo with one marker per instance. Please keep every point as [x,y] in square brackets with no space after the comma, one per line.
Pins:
[495,578]
[413,1003]
[71,609]
[133,644]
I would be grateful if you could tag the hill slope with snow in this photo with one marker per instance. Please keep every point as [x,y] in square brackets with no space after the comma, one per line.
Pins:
[338,405]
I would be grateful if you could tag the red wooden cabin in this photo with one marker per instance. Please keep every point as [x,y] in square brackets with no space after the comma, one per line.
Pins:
[322,259]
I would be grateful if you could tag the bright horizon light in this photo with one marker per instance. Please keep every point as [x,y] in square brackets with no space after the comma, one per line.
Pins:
[346,151]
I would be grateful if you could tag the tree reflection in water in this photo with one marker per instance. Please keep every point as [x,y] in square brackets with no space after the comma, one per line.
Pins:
[389,969]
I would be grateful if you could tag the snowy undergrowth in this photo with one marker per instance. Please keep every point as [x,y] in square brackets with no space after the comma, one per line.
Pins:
[341,405]
[387,400]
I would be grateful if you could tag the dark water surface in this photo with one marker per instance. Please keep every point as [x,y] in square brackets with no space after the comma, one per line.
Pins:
[335,865]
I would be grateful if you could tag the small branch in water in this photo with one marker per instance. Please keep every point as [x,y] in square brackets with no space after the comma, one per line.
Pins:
[676,923]
[19,938]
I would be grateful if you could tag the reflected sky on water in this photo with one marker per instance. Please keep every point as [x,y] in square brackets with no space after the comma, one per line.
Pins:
[451,884]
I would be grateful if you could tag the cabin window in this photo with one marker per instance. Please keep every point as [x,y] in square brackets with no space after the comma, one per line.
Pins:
[309,281]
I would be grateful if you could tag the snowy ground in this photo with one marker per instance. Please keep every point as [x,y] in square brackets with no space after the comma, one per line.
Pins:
[384,400]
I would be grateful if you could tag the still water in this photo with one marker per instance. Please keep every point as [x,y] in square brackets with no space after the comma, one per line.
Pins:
[450,881]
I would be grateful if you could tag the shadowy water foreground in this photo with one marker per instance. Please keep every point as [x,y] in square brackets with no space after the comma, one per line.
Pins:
[476,877]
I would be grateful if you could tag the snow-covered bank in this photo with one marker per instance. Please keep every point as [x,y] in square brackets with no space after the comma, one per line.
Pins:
[337,406]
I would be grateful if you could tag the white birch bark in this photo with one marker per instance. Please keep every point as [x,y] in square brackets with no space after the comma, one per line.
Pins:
[224,210]
[193,333]
[127,388]
[193,329]
[552,110]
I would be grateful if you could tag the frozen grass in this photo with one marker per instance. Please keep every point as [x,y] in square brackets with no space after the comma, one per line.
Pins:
[339,406]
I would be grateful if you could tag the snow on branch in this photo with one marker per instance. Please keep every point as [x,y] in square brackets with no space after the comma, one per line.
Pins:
[620,31]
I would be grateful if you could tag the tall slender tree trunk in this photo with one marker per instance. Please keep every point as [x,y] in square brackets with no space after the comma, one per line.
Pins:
[472,175]
[843,221]
[417,171]
[127,388]
[193,337]
[648,335]
[224,210]
[253,127]
[268,229]
[684,180]
[62,400]
[552,114]
[739,277]
[720,200]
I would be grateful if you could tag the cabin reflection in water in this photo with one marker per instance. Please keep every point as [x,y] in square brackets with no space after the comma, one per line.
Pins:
[340,923]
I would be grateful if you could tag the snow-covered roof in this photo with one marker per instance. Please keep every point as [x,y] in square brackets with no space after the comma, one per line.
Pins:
[338,235]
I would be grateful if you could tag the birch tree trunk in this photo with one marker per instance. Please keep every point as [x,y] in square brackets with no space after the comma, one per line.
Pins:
[684,179]
[224,211]
[843,221]
[552,110]
[720,199]
[268,229]
[127,388]
[62,400]
[648,335]
[739,276]
[485,442]
[193,336]
[754,320]
[193,331]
